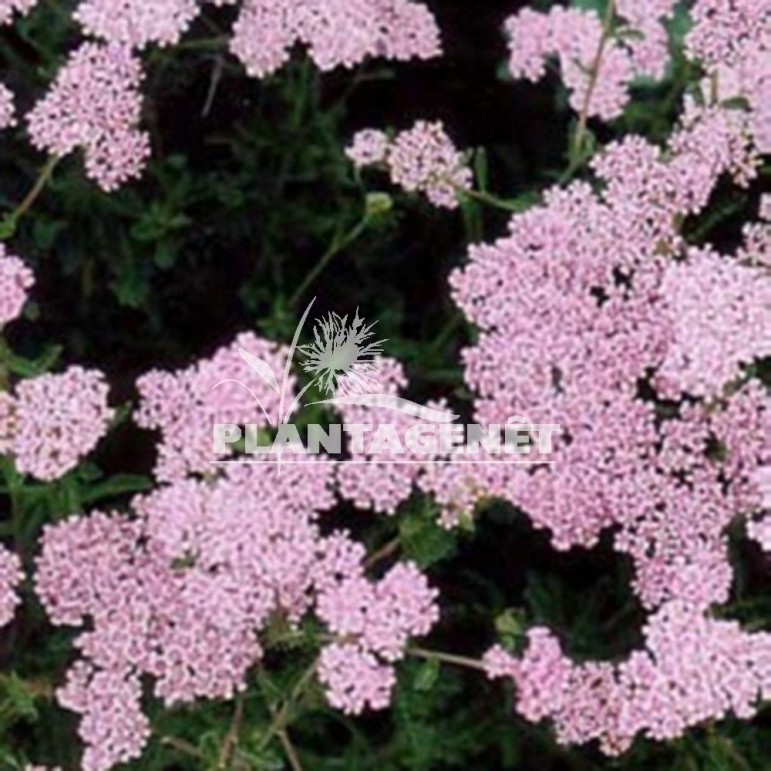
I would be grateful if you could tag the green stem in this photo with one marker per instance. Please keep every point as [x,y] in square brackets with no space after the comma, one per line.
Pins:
[231,738]
[338,245]
[383,553]
[42,180]
[579,137]
[447,658]
[282,716]
[489,199]
[180,745]
[203,44]
[289,749]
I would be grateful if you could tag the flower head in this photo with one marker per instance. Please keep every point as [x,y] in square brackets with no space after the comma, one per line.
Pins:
[16,279]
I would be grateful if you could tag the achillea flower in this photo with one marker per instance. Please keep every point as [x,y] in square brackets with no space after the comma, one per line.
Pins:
[11,576]
[422,159]
[375,620]
[95,104]
[692,669]
[57,420]
[731,39]
[185,405]
[725,31]
[574,312]
[136,22]
[181,591]
[337,33]
[16,279]
[113,727]
[9,7]
[721,317]
[355,679]
[7,108]
[369,148]
[597,75]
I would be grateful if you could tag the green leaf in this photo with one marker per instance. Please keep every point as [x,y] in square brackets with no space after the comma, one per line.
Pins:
[7,227]
[114,486]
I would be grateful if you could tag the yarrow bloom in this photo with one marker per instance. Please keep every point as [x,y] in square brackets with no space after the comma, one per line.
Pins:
[7,108]
[731,39]
[338,33]
[16,279]
[9,7]
[136,22]
[374,622]
[95,104]
[693,668]
[10,577]
[575,310]
[422,159]
[596,69]
[185,405]
[181,590]
[369,148]
[54,421]
[721,316]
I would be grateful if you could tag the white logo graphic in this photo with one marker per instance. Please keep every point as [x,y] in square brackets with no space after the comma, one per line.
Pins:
[342,356]
[343,362]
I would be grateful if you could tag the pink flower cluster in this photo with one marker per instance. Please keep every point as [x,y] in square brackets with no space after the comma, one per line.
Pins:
[9,7]
[7,108]
[184,406]
[16,279]
[721,318]
[692,668]
[382,484]
[95,104]
[732,40]
[336,33]
[51,422]
[422,159]
[591,312]
[374,622]
[11,576]
[597,66]
[182,590]
[136,22]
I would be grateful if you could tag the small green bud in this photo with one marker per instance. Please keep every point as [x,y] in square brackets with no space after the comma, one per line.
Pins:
[379,203]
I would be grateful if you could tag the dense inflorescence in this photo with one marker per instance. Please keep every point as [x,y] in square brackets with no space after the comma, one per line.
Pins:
[184,406]
[339,33]
[7,108]
[11,576]
[16,279]
[54,421]
[182,591]
[599,58]
[597,312]
[421,159]
[9,7]
[693,668]
[95,105]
